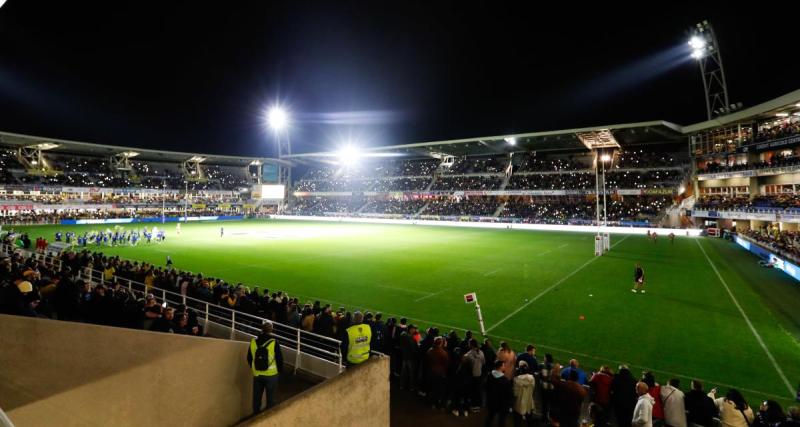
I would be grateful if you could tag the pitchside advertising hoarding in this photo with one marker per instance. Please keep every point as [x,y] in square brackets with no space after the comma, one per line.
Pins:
[776,261]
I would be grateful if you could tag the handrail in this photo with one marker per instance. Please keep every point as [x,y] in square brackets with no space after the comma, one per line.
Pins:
[238,321]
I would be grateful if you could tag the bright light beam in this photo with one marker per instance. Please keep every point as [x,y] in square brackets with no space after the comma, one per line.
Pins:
[277,119]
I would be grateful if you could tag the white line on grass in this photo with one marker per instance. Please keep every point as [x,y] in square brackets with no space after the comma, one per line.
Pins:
[546,291]
[492,272]
[545,252]
[749,323]
[431,295]
[404,290]
[563,246]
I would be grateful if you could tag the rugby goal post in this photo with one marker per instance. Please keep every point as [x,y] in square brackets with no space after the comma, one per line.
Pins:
[602,244]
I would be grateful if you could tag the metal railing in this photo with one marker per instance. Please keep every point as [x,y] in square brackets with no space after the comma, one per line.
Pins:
[311,351]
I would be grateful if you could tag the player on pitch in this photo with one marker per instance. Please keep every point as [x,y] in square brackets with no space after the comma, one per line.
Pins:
[638,279]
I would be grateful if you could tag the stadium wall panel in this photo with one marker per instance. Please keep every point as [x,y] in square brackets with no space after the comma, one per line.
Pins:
[150,219]
[57,373]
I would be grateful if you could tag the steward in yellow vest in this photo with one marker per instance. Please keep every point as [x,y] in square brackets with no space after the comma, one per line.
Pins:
[359,335]
[266,362]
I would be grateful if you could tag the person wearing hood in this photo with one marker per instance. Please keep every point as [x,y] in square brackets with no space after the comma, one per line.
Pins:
[523,386]
[643,412]
[498,395]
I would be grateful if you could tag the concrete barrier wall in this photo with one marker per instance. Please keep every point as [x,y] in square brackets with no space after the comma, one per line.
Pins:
[55,373]
[357,398]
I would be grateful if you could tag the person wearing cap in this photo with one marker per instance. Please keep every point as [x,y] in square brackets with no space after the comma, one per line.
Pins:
[266,362]
[358,337]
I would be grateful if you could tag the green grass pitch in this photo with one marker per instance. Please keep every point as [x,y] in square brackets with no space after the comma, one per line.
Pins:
[532,287]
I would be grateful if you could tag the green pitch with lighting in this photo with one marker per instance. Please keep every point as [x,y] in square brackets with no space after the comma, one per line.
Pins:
[545,288]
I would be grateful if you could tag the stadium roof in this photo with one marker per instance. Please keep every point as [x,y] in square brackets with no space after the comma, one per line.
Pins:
[629,134]
[559,140]
[789,102]
[63,146]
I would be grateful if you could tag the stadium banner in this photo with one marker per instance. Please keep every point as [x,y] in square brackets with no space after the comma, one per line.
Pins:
[775,260]
[658,191]
[789,217]
[745,215]
[468,193]
[789,140]
[224,205]
[198,205]
[322,193]
[623,192]
[249,206]
[688,232]
[14,208]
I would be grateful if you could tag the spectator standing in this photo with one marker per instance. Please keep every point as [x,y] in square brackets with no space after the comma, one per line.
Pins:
[623,396]
[601,390]
[529,356]
[793,417]
[266,362]
[733,410]
[574,365]
[700,409]
[509,359]
[475,362]
[409,353]
[770,414]
[674,407]
[655,392]
[438,362]
[545,374]
[523,387]
[498,395]
[643,412]
[570,395]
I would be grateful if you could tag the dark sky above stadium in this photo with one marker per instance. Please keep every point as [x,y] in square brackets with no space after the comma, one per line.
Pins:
[197,76]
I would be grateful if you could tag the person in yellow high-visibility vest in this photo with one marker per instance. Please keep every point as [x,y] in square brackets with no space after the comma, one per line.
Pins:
[356,346]
[266,362]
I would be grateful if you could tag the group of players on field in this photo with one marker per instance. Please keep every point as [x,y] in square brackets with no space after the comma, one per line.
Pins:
[109,237]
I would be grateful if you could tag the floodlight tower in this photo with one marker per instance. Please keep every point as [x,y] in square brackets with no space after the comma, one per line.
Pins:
[279,121]
[705,49]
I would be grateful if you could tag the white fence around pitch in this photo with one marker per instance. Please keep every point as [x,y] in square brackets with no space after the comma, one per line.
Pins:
[690,232]
[309,352]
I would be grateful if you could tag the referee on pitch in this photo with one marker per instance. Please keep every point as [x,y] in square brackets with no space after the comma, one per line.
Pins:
[638,279]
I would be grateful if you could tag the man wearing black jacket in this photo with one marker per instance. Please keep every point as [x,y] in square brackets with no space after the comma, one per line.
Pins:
[700,409]
[265,378]
[498,395]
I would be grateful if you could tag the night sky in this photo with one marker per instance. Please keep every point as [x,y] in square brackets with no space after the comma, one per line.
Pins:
[197,76]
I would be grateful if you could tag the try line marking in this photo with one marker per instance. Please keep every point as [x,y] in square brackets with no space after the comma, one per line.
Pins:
[553,286]
[749,323]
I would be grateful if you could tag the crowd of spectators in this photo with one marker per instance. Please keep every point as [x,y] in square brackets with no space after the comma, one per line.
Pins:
[567,210]
[776,202]
[636,159]
[778,129]
[86,171]
[586,181]
[479,164]
[472,206]
[777,161]
[467,183]
[784,241]
[365,184]
[527,162]
[394,207]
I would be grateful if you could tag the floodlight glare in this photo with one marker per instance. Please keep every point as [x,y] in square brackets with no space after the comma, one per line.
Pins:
[697,43]
[681,190]
[698,53]
[605,157]
[511,141]
[277,119]
[348,155]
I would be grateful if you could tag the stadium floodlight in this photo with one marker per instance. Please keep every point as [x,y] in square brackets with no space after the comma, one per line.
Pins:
[511,140]
[682,190]
[782,114]
[348,155]
[277,118]
[605,158]
[705,50]
[697,43]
